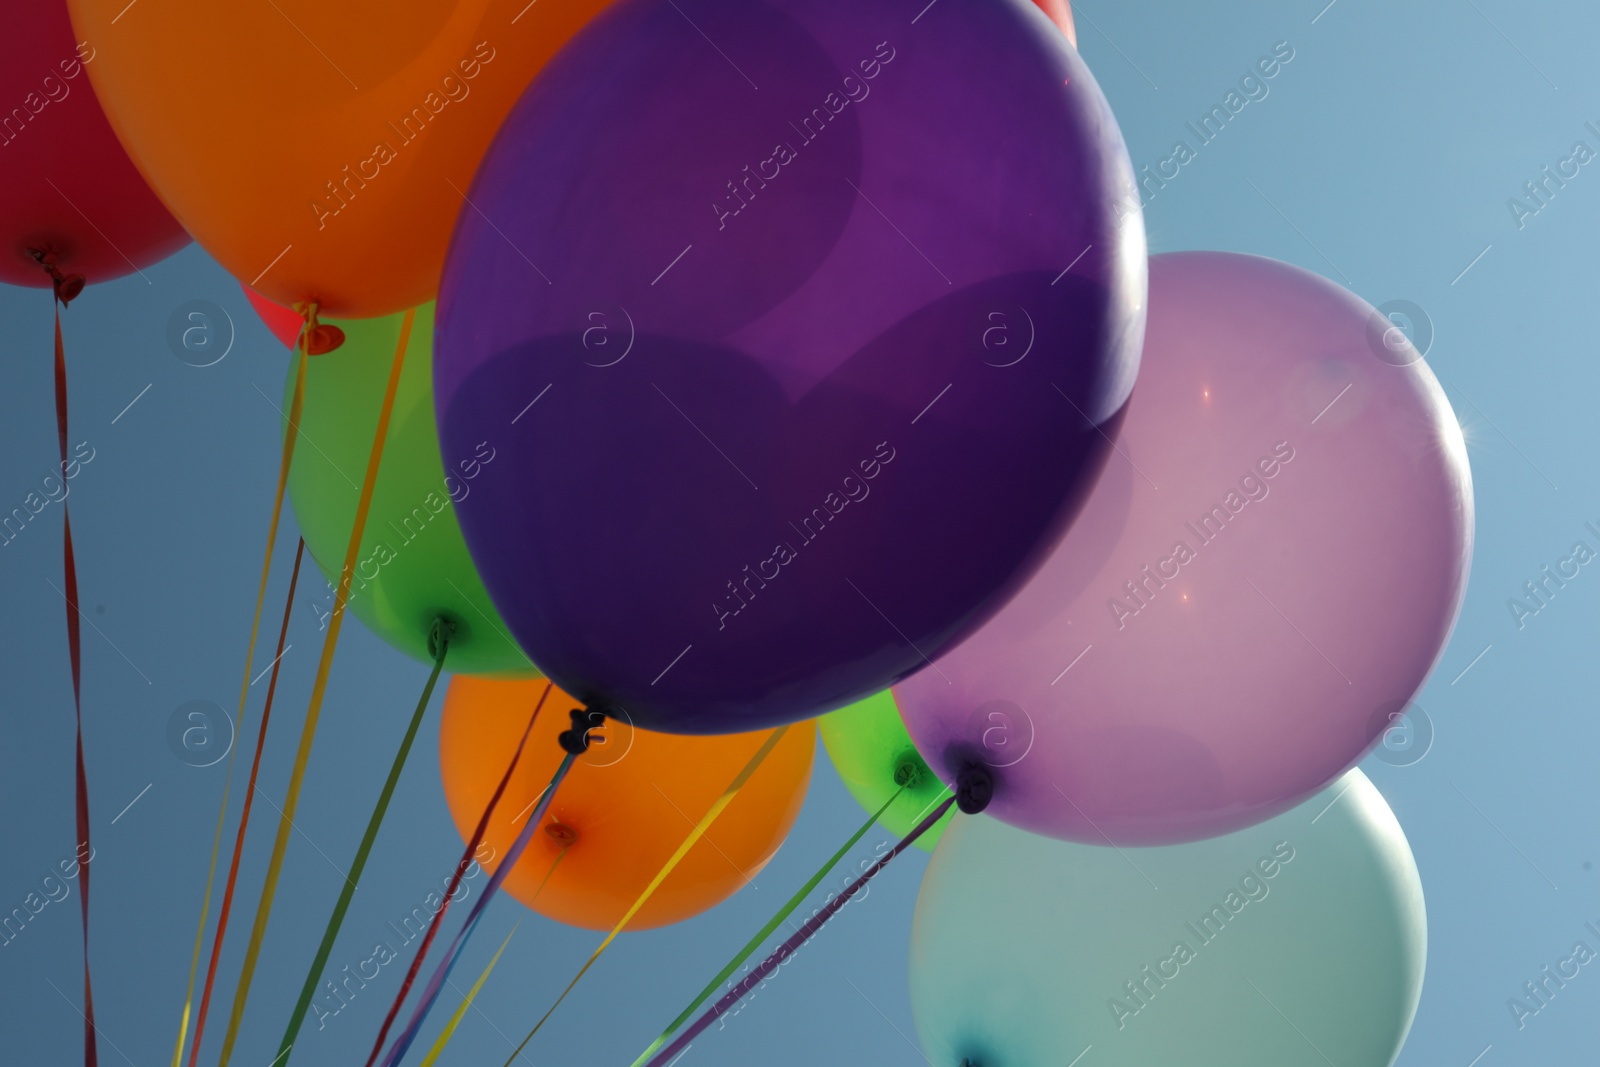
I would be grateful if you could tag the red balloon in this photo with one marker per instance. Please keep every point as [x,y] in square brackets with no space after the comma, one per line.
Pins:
[1060,13]
[284,322]
[67,189]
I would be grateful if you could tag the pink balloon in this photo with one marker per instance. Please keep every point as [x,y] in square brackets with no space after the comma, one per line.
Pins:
[1266,573]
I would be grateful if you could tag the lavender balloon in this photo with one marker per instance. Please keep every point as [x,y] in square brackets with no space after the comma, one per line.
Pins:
[1265,575]
[802,327]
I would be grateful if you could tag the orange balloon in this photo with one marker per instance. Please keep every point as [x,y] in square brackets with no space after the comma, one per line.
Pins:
[320,151]
[625,807]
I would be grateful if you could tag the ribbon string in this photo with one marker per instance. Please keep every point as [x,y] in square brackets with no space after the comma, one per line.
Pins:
[466,1002]
[319,689]
[285,461]
[689,842]
[439,641]
[244,815]
[430,994]
[766,931]
[793,943]
[455,879]
[455,1020]
[69,569]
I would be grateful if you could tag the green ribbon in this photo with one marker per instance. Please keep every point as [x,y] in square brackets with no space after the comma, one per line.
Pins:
[766,931]
[439,642]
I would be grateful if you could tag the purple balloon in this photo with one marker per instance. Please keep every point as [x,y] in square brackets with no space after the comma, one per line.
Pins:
[792,385]
[1264,577]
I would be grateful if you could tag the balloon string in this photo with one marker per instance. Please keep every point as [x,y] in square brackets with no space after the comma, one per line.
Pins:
[683,850]
[455,879]
[455,1020]
[766,931]
[461,1011]
[69,569]
[799,938]
[430,993]
[439,640]
[319,688]
[244,814]
[284,463]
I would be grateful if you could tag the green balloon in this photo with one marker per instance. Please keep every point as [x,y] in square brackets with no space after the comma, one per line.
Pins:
[1300,941]
[868,744]
[413,564]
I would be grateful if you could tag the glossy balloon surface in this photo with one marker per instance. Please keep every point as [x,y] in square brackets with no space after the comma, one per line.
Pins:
[802,356]
[1302,941]
[1263,579]
[625,807]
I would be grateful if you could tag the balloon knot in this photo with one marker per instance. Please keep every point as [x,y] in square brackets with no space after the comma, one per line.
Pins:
[320,337]
[909,770]
[563,834]
[439,635]
[974,788]
[67,286]
[584,720]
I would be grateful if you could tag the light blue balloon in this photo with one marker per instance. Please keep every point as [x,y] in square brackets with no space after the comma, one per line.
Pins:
[1299,942]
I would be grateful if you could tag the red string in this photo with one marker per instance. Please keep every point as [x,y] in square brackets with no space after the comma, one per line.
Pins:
[244,816]
[91,1057]
[455,880]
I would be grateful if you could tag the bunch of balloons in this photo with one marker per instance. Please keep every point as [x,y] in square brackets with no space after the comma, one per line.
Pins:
[682,370]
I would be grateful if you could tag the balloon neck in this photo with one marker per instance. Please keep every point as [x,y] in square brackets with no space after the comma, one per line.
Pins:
[909,770]
[974,788]
[67,286]
[319,338]
[439,635]
[584,720]
[562,834]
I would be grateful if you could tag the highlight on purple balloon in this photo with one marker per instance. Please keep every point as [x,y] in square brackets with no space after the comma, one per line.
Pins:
[1267,572]
[803,328]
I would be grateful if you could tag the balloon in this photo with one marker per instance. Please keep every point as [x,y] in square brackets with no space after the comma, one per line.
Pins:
[1299,941]
[869,745]
[625,807]
[809,417]
[1262,581]
[1060,13]
[67,189]
[413,566]
[284,323]
[319,151]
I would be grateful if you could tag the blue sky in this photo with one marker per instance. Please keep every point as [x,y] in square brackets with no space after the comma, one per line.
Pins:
[1383,155]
